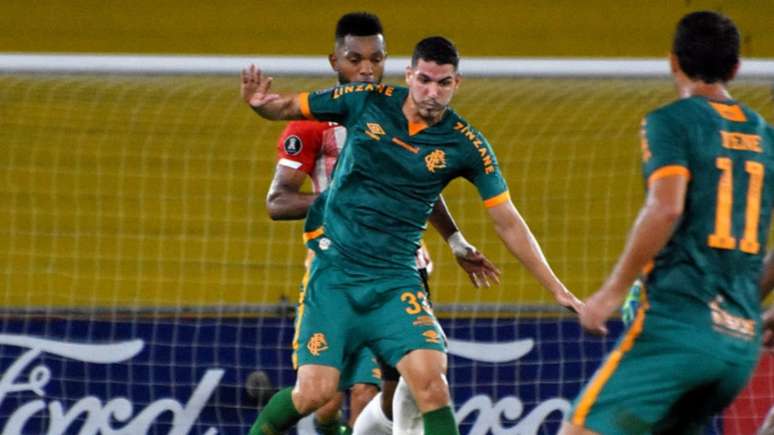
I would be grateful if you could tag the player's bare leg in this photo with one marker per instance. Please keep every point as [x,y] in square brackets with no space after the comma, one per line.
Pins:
[571,429]
[327,418]
[388,392]
[424,370]
[359,396]
[315,386]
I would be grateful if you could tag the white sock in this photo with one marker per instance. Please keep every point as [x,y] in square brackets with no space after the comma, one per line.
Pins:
[407,420]
[372,420]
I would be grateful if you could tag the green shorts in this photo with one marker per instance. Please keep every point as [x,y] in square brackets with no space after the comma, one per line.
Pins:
[362,368]
[651,385]
[345,310]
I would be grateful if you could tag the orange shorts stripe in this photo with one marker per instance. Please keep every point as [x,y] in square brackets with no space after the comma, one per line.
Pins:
[297,331]
[611,364]
[668,171]
[497,200]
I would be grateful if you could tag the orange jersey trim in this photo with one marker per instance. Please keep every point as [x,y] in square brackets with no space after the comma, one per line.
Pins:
[303,104]
[648,267]
[407,147]
[731,112]
[590,395]
[668,171]
[497,200]
[416,127]
[310,235]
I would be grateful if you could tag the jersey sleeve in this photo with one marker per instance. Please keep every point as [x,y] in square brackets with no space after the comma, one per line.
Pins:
[663,146]
[484,172]
[338,104]
[299,144]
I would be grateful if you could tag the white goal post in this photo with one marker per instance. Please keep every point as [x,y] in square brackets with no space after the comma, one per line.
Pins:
[318,65]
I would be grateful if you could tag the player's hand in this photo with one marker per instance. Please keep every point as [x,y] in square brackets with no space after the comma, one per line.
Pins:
[568,300]
[255,87]
[594,313]
[480,270]
[768,329]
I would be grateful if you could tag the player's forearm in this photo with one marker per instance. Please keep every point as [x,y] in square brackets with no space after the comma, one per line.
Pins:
[442,220]
[651,232]
[286,107]
[520,241]
[767,277]
[289,205]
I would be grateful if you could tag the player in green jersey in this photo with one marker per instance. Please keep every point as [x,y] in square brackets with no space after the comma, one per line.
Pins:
[404,145]
[309,150]
[698,243]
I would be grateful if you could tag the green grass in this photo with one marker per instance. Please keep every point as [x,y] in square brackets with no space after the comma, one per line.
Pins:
[149,191]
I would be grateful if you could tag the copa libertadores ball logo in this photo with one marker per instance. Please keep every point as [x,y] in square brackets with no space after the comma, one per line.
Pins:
[293,145]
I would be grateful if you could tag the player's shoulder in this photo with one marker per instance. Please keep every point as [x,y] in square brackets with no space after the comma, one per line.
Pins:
[366,90]
[307,126]
[675,115]
[462,128]
[302,138]
[673,109]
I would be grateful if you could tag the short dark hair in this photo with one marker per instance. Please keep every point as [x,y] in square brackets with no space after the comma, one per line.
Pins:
[436,49]
[358,24]
[707,46]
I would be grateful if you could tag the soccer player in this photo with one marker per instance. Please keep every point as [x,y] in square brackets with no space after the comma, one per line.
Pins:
[404,145]
[310,149]
[698,242]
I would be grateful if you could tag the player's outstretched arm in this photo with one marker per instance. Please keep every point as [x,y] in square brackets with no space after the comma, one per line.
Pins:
[518,238]
[480,270]
[650,233]
[256,91]
[285,200]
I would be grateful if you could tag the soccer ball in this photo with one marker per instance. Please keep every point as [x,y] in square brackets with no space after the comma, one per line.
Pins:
[258,387]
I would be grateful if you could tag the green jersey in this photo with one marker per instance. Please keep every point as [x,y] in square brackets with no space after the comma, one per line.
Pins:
[703,286]
[389,174]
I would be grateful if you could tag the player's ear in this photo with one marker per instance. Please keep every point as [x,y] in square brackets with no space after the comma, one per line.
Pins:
[457,80]
[409,74]
[674,64]
[734,71]
[334,61]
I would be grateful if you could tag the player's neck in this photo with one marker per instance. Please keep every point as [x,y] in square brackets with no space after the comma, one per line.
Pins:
[413,115]
[697,88]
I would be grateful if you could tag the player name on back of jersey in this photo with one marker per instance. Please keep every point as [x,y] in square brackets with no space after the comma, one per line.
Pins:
[741,141]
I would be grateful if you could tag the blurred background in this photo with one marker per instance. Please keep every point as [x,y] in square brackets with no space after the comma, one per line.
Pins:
[625,28]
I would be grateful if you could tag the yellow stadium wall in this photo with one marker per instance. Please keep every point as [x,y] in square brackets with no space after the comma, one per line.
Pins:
[488,27]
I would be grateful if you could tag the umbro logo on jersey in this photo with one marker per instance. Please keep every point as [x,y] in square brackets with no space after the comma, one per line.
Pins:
[374,131]
[293,145]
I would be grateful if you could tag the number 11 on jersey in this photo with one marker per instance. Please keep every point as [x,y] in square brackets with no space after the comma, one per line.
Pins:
[722,238]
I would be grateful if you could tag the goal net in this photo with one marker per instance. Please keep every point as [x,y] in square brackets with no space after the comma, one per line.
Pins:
[143,281]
